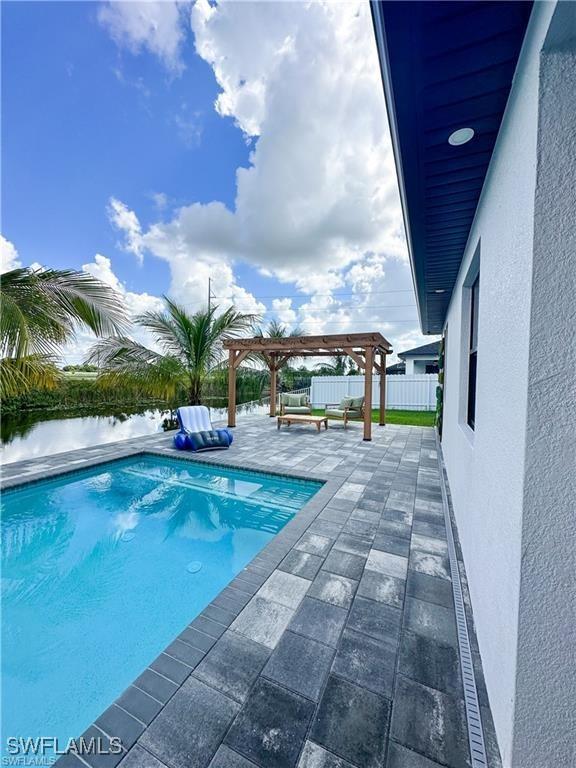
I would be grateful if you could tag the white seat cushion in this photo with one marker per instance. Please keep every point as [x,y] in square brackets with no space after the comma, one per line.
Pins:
[195,418]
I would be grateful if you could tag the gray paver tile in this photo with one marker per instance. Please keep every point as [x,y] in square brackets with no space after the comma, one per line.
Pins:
[346,542]
[334,589]
[140,758]
[188,731]
[319,620]
[379,620]
[366,662]
[233,665]
[314,756]
[344,564]
[139,704]
[396,545]
[263,621]
[402,757]
[382,588]
[430,722]
[301,564]
[314,543]
[389,564]
[430,589]
[430,663]
[228,758]
[156,685]
[430,620]
[430,564]
[352,722]
[272,726]
[300,664]
[115,722]
[284,588]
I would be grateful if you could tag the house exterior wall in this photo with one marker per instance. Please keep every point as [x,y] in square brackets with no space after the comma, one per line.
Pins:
[544,720]
[486,467]
[416,365]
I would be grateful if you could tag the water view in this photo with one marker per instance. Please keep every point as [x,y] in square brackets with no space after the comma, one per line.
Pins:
[43,433]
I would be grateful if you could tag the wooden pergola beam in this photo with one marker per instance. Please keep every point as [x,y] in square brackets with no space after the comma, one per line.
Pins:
[357,357]
[294,344]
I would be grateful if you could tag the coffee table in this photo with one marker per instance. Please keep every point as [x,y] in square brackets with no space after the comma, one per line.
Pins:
[301,418]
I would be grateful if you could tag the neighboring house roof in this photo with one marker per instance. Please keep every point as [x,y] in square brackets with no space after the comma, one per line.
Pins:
[396,368]
[426,350]
[445,66]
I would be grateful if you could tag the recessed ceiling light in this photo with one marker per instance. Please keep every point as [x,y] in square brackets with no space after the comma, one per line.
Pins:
[440,290]
[461,136]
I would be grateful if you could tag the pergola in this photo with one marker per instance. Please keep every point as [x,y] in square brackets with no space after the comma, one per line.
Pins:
[363,348]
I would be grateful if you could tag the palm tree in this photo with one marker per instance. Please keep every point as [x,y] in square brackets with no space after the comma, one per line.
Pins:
[191,349]
[275,330]
[40,309]
[338,367]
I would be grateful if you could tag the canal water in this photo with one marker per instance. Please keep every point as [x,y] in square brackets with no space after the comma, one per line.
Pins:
[43,433]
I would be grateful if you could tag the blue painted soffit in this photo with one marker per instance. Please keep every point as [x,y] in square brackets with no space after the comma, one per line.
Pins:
[445,66]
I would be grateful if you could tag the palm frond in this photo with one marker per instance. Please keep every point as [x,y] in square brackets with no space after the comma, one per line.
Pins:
[84,299]
[41,308]
[275,330]
[124,362]
[19,375]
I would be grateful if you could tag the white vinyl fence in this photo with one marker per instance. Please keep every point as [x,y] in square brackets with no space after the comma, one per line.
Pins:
[410,393]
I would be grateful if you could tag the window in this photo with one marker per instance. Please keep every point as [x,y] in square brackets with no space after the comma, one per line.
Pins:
[472,354]
[432,368]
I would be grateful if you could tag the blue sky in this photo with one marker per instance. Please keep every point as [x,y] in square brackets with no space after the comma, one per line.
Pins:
[156,145]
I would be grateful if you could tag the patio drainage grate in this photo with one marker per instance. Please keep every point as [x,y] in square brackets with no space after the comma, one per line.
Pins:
[473,717]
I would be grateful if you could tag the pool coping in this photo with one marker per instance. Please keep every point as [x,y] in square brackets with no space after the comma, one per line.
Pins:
[231,600]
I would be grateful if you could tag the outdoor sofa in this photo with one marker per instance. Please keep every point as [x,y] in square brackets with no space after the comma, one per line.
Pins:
[294,403]
[347,409]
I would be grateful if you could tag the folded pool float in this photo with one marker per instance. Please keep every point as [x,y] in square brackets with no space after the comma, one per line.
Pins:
[196,431]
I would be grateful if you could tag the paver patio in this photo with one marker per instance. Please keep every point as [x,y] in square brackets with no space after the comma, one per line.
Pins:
[337,646]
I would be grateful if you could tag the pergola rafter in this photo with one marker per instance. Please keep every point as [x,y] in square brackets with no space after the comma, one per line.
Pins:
[363,348]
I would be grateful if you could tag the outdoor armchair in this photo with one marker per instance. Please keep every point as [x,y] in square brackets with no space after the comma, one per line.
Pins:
[294,403]
[196,431]
[348,408]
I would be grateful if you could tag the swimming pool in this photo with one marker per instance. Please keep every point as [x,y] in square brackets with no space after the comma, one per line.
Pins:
[102,568]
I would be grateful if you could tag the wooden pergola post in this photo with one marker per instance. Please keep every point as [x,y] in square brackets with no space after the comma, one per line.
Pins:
[382,419]
[369,354]
[273,385]
[231,388]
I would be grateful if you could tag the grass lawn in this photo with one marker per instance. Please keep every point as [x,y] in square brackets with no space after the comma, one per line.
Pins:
[414,418]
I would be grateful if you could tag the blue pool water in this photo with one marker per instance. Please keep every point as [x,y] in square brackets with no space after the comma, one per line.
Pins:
[103,568]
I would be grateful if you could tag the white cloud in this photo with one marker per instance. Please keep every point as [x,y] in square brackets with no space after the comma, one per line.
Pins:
[189,127]
[127,222]
[283,311]
[157,26]
[318,205]
[160,200]
[9,258]
[134,303]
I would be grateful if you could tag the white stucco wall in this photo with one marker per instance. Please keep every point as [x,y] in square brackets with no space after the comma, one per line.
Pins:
[545,718]
[417,365]
[486,468]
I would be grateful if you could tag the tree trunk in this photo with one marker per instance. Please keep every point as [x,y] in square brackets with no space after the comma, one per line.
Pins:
[195,394]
